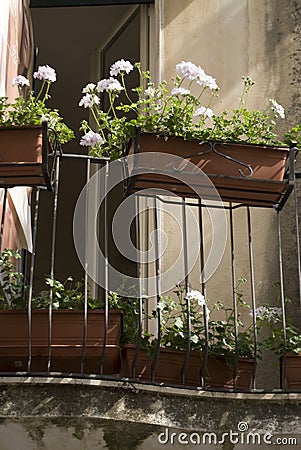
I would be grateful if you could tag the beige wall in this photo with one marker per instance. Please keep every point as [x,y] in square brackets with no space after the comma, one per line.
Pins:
[231,38]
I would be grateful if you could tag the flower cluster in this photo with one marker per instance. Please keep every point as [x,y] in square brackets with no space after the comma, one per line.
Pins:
[45,73]
[29,109]
[229,333]
[267,312]
[181,109]
[220,334]
[196,296]
[20,81]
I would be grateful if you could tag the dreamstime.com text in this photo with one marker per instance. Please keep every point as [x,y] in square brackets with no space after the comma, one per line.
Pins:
[241,436]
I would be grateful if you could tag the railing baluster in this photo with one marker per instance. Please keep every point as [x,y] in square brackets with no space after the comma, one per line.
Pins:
[158,288]
[52,257]
[251,265]
[84,342]
[282,297]
[203,284]
[185,255]
[106,269]
[297,236]
[31,275]
[234,294]
[139,267]
[3,216]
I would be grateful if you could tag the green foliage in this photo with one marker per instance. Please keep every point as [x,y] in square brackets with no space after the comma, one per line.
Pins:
[293,135]
[11,281]
[224,334]
[175,111]
[280,342]
[29,109]
[252,126]
[221,327]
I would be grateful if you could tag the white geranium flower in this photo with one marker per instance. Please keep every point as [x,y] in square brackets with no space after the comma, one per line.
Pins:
[268,313]
[45,73]
[274,313]
[189,70]
[50,120]
[89,88]
[103,84]
[109,84]
[150,91]
[207,81]
[260,312]
[121,66]
[180,91]
[194,338]
[203,111]
[277,108]
[196,296]
[91,138]
[114,86]
[89,100]
[160,305]
[19,81]
[178,322]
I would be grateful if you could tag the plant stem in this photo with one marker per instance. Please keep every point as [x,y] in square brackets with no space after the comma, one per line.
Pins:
[124,87]
[46,92]
[40,91]
[112,105]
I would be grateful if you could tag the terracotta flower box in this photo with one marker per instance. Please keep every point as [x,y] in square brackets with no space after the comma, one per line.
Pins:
[170,362]
[24,154]
[243,173]
[66,341]
[293,371]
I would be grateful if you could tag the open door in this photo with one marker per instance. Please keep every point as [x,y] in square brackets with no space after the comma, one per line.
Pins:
[84,43]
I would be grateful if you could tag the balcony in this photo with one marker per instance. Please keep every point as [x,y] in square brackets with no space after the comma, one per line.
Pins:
[70,342]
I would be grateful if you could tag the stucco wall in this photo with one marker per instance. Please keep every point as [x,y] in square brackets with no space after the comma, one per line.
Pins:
[229,39]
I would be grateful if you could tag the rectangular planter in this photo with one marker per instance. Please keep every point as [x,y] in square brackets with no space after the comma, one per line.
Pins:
[66,341]
[293,371]
[170,362]
[24,154]
[241,173]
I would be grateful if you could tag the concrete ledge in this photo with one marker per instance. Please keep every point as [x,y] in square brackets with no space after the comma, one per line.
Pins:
[144,387]
[156,406]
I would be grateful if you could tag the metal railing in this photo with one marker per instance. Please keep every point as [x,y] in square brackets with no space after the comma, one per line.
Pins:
[144,307]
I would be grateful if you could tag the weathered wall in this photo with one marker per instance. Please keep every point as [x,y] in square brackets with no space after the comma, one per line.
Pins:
[52,414]
[231,38]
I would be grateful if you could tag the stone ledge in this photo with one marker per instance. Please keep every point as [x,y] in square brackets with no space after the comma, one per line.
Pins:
[125,383]
[159,406]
